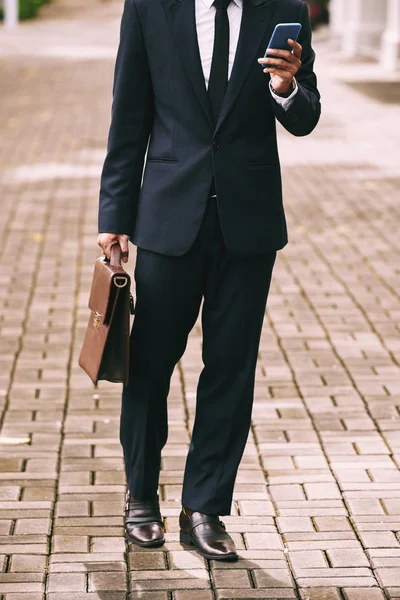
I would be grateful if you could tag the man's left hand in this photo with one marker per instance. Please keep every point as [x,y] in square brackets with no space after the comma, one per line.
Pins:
[283,67]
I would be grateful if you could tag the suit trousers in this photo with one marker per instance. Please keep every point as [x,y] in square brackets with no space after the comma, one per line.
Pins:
[169,295]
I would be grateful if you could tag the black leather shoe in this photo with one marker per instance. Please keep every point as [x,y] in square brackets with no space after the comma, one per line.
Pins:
[207,533]
[143,522]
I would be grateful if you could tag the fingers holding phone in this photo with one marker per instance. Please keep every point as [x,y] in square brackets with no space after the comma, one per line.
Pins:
[283,67]
[277,56]
[282,59]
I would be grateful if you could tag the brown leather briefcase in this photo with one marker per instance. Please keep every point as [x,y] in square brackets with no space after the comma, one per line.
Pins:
[105,350]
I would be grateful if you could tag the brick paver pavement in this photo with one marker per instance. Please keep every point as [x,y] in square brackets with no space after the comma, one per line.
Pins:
[316,512]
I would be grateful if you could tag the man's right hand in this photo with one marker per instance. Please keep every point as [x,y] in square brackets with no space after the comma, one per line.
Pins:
[106,240]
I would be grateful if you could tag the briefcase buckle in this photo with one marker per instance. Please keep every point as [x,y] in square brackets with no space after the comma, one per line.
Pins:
[96,319]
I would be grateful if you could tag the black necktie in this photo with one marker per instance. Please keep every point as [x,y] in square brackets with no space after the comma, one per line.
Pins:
[220,59]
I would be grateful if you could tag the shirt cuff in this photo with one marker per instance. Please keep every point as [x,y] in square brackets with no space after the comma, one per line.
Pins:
[285,102]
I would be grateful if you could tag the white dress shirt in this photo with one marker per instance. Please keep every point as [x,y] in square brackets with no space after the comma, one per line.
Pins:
[205,23]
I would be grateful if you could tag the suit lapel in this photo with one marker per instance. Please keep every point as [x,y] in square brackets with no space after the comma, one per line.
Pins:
[182,20]
[255,20]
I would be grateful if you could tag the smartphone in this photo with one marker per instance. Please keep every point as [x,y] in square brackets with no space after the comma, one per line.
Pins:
[280,36]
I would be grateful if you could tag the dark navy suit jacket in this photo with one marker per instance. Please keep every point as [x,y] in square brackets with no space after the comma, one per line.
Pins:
[161,105]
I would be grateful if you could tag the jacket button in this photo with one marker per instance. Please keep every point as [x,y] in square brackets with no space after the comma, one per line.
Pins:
[216,145]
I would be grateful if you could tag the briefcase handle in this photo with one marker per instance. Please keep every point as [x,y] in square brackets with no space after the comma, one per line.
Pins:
[115,255]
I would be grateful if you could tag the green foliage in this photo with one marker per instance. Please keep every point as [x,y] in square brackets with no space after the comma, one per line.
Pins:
[28,8]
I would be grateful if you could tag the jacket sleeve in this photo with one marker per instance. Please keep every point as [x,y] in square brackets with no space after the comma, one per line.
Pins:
[132,116]
[303,114]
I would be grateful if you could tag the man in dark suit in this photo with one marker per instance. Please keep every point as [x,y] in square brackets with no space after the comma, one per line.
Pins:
[207,220]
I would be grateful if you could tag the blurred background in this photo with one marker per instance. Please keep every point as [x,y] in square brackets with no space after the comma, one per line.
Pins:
[326,422]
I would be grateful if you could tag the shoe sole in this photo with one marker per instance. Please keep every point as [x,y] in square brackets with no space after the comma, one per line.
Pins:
[153,544]
[188,540]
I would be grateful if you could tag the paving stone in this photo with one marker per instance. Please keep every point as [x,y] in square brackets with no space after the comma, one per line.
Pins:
[107,581]
[329,593]
[185,560]
[22,579]
[31,526]
[27,587]
[363,594]
[87,596]
[107,544]
[70,543]
[287,492]
[392,507]
[324,491]
[332,523]
[144,561]
[87,566]
[107,508]
[389,577]
[252,594]
[379,540]
[5,527]
[170,584]
[233,578]
[153,595]
[288,524]
[23,548]
[72,509]
[311,559]
[263,541]
[193,595]
[87,530]
[76,524]
[249,507]
[323,545]
[66,582]
[23,596]
[28,563]
[385,562]
[272,578]
[348,558]
[335,572]
[9,493]
[336,581]
[318,536]
[106,557]
[38,493]
[366,507]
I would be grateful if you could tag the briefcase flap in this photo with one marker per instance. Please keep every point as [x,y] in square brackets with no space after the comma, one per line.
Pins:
[107,280]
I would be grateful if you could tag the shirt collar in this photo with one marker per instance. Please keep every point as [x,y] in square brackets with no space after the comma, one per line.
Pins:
[208,3]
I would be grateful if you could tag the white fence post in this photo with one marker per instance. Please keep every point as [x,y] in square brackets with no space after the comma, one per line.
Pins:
[338,18]
[391,38]
[10,13]
[366,21]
